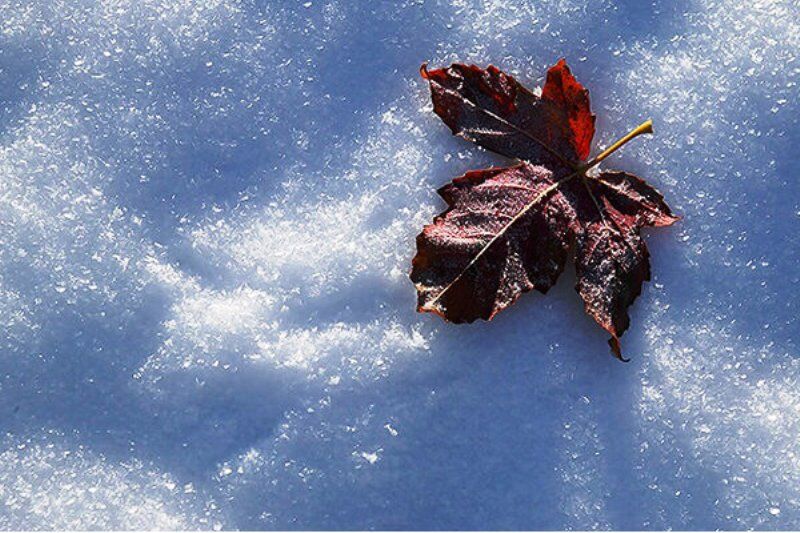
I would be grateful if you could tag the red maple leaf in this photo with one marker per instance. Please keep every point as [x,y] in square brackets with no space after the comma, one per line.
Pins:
[508,230]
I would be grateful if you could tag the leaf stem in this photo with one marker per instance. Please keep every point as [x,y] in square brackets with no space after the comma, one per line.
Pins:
[644,127]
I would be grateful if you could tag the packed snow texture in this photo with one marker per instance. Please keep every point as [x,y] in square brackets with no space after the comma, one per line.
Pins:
[207,216]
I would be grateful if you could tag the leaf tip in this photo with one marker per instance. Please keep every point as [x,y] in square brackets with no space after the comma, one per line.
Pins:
[667,220]
[616,349]
[430,307]
[423,71]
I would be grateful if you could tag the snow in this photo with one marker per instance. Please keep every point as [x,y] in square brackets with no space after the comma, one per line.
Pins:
[52,482]
[207,216]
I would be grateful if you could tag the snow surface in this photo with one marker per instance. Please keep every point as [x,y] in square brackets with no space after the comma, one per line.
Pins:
[207,215]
